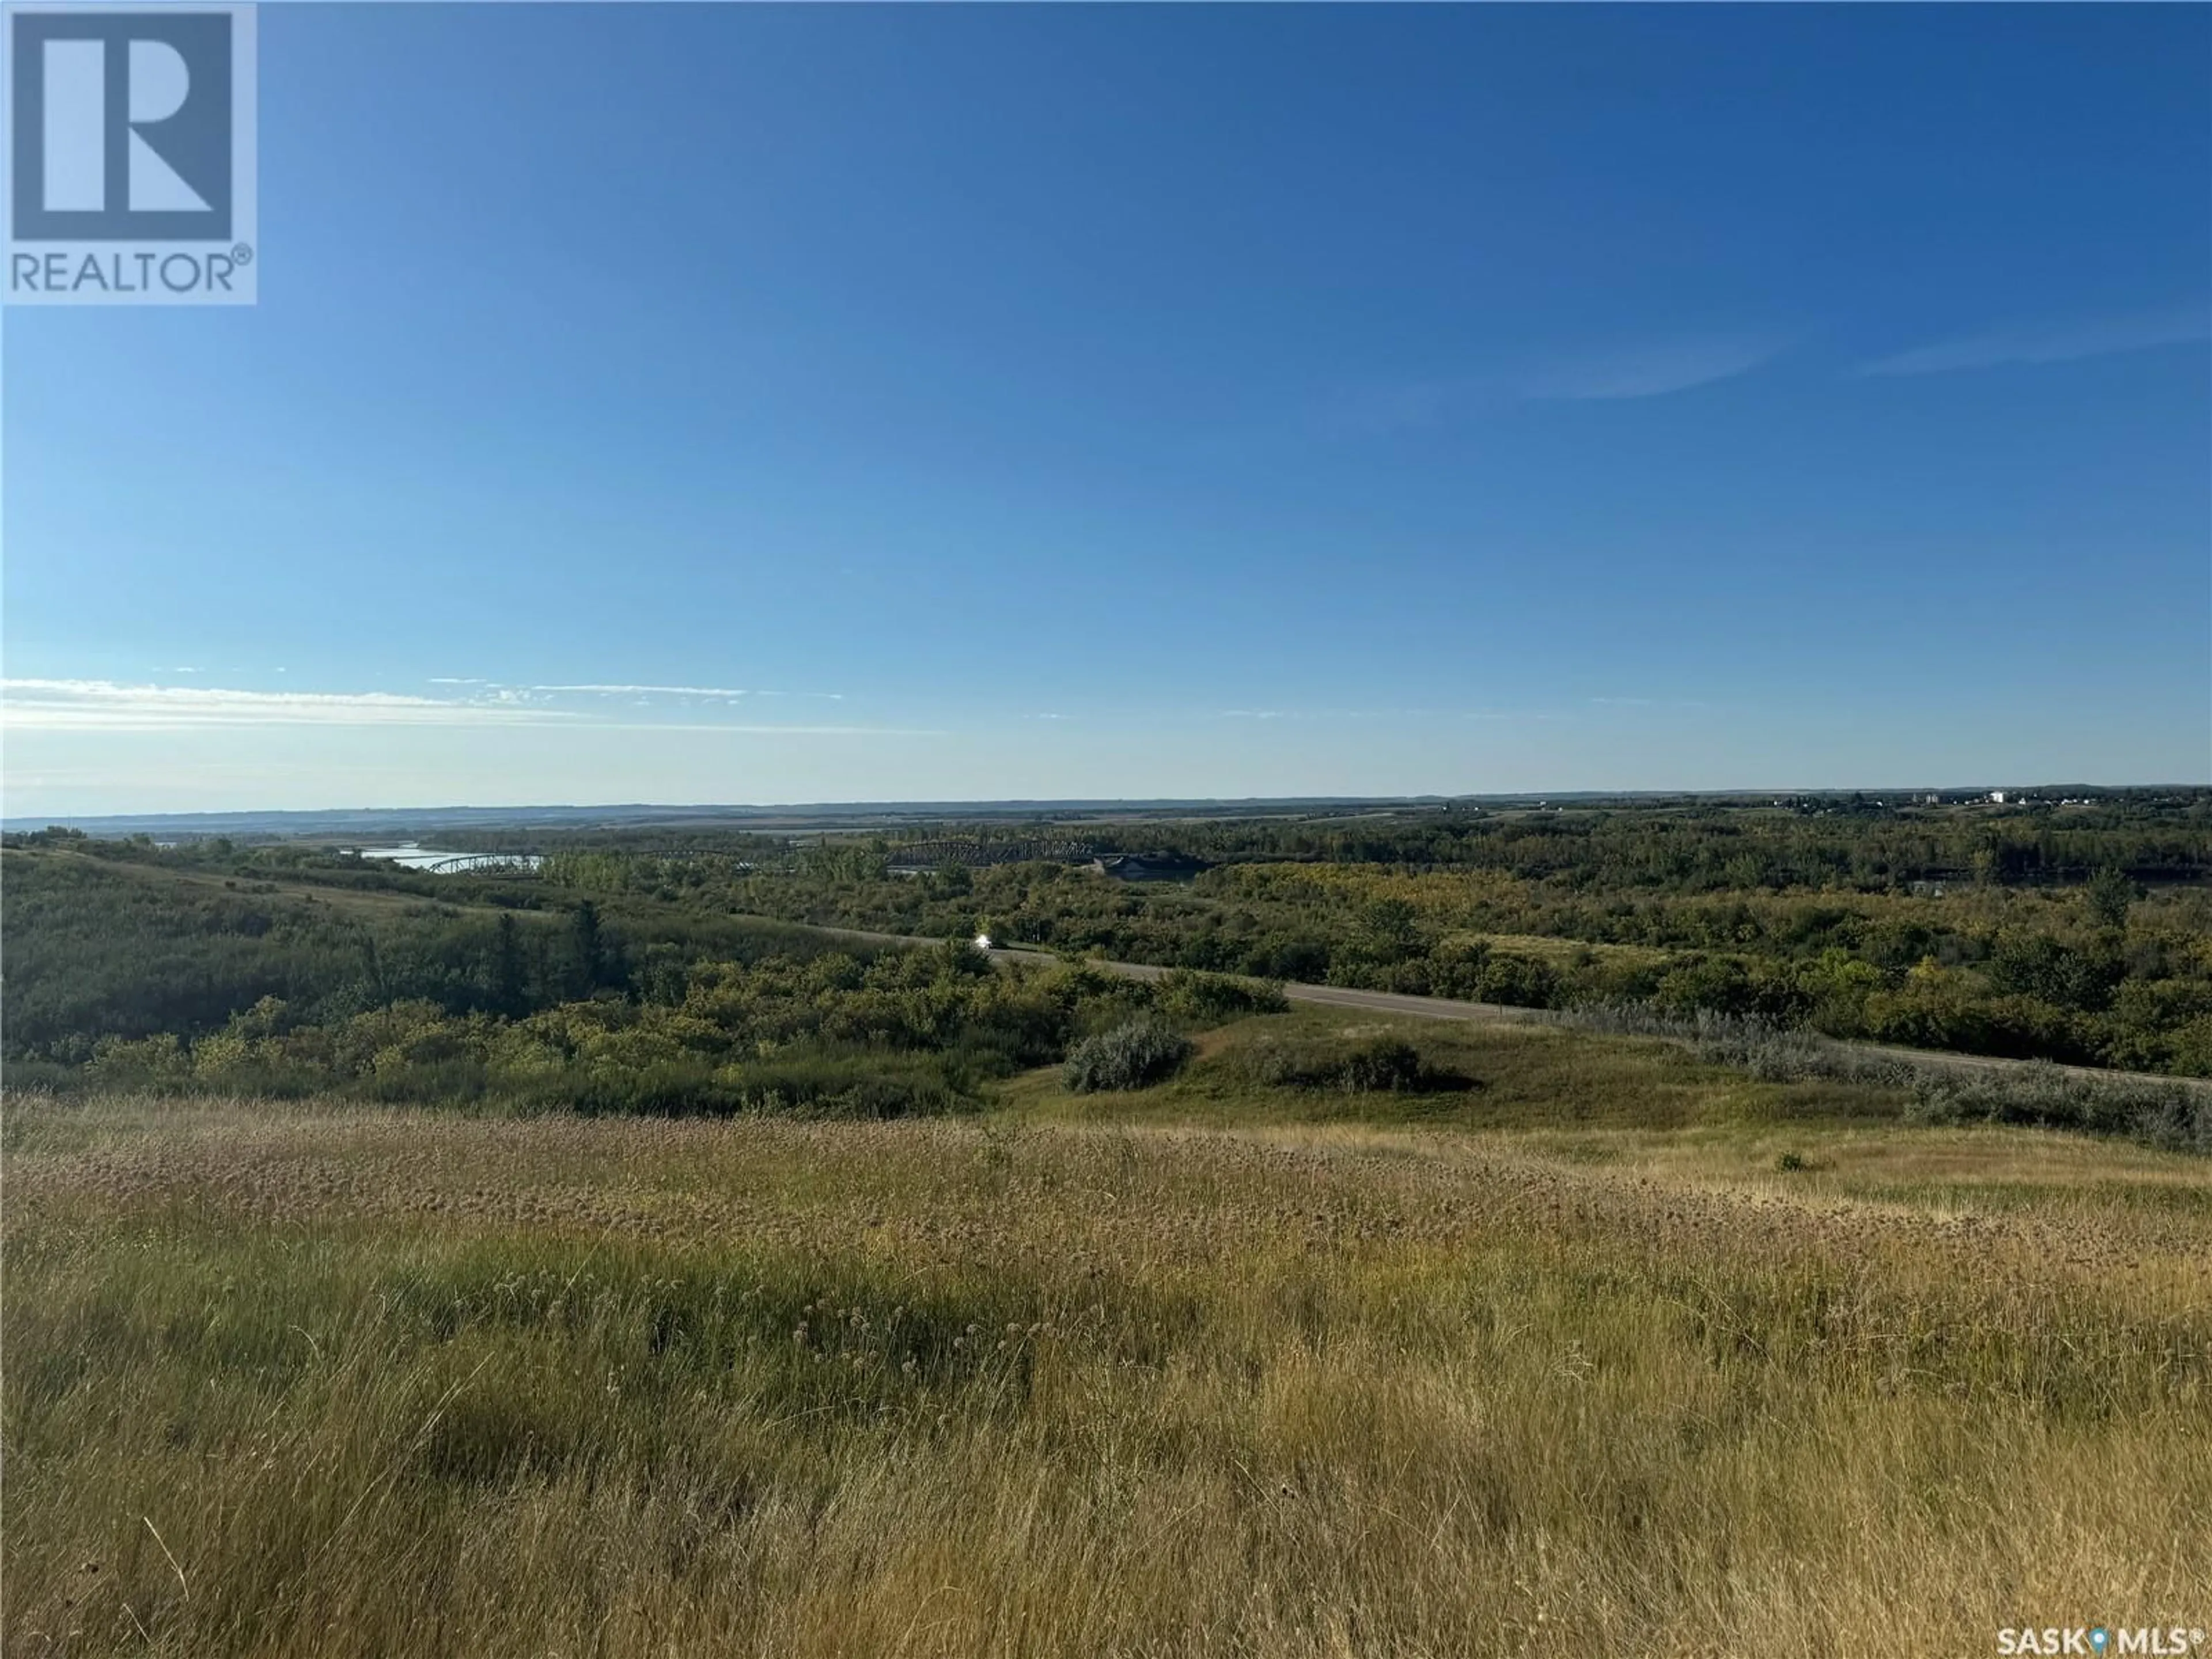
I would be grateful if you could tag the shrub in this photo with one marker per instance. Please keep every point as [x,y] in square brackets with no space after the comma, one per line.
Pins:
[2173,1115]
[1386,1064]
[1379,1065]
[1212,998]
[1519,981]
[1130,1056]
[2176,1115]
[1303,959]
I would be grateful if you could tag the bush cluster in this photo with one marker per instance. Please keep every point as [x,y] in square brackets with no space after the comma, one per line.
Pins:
[2177,1115]
[2172,1116]
[1134,1055]
[908,1032]
[1375,1064]
[1204,999]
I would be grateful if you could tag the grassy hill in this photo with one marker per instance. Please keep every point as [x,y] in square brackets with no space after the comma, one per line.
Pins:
[1287,1068]
[1576,1346]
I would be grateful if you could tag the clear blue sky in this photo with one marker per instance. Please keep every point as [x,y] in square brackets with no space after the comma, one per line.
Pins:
[1142,401]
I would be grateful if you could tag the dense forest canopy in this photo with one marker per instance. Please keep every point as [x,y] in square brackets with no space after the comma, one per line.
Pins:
[2079,932]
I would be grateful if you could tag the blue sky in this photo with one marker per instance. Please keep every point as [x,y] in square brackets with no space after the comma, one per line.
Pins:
[775,404]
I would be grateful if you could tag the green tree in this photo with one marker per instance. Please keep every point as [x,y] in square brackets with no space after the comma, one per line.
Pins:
[2109,894]
[1392,929]
[588,948]
[508,995]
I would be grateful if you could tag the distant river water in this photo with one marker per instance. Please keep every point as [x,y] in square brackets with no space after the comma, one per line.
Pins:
[415,856]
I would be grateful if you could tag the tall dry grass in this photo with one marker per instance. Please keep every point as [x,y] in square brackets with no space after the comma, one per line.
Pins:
[316,1381]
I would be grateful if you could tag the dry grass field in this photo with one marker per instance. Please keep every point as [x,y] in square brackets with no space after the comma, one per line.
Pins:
[1607,1353]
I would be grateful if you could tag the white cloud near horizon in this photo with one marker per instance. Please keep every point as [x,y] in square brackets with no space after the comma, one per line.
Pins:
[86,706]
[82,705]
[2050,342]
[511,693]
[635,691]
[723,692]
[66,704]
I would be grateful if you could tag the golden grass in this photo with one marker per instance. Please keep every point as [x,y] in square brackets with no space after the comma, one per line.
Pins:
[315,1380]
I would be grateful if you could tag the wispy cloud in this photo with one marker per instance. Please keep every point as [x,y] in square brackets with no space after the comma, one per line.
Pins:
[596,689]
[61,704]
[720,693]
[87,705]
[636,691]
[760,729]
[1650,370]
[1251,713]
[2052,343]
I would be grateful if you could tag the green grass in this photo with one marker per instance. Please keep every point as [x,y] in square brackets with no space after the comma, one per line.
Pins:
[1521,1077]
[1562,1363]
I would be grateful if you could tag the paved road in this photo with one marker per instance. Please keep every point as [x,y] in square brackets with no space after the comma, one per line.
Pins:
[1393,1002]
[1337,996]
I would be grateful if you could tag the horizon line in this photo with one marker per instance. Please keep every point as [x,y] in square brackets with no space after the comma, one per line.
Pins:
[14,823]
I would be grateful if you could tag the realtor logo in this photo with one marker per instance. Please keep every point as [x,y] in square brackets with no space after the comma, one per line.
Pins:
[130,154]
